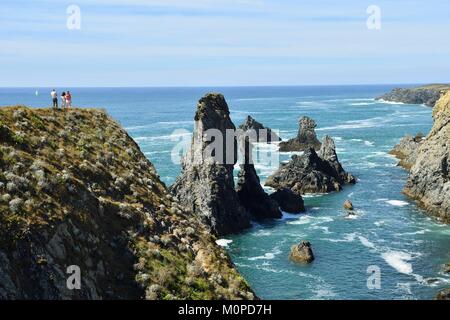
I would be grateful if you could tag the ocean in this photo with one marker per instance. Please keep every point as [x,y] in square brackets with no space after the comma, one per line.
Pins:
[389,235]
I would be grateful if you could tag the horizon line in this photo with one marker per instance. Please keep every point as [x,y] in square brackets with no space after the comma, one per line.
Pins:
[232,86]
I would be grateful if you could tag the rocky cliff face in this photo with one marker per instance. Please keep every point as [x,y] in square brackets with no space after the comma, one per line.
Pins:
[312,172]
[206,184]
[407,149]
[427,95]
[429,179]
[263,134]
[305,139]
[250,192]
[75,190]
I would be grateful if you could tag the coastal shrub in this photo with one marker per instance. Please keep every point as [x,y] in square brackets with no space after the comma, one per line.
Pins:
[37,122]
[15,205]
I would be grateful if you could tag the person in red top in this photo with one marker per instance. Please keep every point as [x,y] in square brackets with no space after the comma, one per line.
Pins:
[68,99]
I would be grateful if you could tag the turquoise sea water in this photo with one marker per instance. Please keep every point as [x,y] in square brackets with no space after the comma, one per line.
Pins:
[388,232]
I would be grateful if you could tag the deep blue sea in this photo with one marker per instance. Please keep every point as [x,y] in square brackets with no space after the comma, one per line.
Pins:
[389,233]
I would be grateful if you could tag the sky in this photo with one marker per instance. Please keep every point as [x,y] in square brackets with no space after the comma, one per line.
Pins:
[222,42]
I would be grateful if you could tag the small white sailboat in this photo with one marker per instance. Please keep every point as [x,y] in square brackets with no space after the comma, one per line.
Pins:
[36,93]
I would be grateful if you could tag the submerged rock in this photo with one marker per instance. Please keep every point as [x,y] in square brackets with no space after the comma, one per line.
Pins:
[305,139]
[301,253]
[206,184]
[407,149]
[263,134]
[312,172]
[348,205]
[288,201]
[429,178]
[427,95]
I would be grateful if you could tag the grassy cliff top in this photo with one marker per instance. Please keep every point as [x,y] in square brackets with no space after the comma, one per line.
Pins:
[435,86]
[76,189]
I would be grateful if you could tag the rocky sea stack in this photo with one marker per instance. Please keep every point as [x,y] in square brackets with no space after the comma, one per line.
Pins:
[77,191]
[429,179]
[263,134]
[206,184]
[427,95]
[305,139]
[312,172]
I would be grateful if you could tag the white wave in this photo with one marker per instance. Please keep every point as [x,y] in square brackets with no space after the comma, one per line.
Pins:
[389,102]
[369,143]
[257,99]
[351,99]
[379,223]
[262,233]
[302,220]
[399,261]
[347,238]
[163,137]
[422,231]
[359,124]
[323,292]
[160,123]
[267,255]
[223,242]
[325,230]
[397,203]
[365,242]
[362,103]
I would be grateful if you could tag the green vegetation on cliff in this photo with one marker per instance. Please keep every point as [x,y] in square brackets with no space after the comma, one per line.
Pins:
[75,189]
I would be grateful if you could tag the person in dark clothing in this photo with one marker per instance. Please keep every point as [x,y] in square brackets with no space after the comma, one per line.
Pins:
[54,96]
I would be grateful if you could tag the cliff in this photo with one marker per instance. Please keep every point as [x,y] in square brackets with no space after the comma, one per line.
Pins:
[427,95]
[407,149]
[429,179]
[75,190]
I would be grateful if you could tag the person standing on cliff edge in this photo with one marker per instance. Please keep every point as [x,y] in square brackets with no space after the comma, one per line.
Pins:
[54,96]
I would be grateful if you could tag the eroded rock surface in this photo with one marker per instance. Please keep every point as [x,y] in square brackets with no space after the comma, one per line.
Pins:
[312,172]
[305,139]
[206,184]
[302,253]
[429,179]
[263,134]
[407,149]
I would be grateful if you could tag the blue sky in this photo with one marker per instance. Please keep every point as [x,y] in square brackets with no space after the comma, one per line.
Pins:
[223,42]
